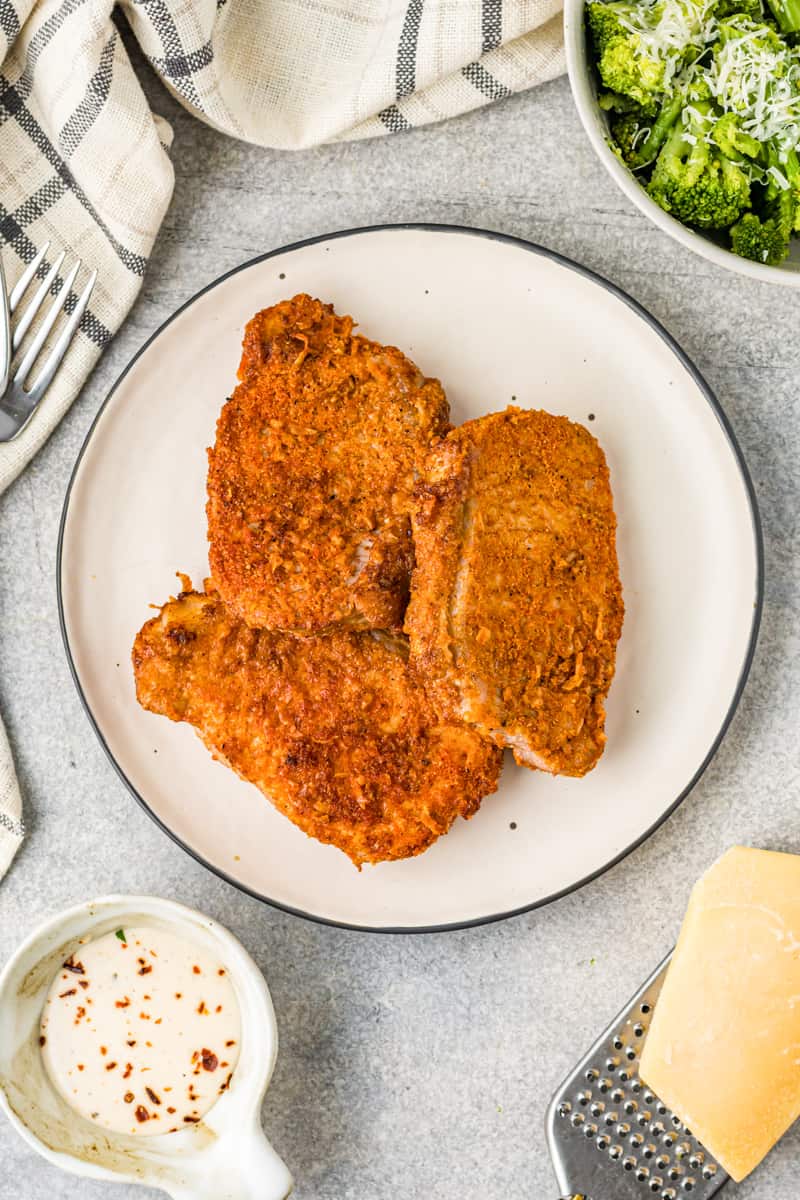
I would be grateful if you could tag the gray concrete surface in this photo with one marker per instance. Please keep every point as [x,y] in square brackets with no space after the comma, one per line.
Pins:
[417,1066]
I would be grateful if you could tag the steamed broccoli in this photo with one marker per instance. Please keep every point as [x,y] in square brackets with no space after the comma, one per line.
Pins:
[732,139]
[623,61]
[694,180]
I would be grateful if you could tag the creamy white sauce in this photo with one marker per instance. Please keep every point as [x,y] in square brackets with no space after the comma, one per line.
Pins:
[141,1035]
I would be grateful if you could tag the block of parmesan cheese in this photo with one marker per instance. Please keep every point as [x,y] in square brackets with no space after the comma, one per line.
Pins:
[723,1049]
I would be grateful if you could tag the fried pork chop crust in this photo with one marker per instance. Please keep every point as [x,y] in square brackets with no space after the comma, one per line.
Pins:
[333,730]
[311,476]
[516,605]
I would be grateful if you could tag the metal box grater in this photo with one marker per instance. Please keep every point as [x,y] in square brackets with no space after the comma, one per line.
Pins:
[610,1137]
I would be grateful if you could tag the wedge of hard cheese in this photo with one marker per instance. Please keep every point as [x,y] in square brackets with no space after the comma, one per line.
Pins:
[723,1049]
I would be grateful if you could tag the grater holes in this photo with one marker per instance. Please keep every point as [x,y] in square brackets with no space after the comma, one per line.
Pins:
[644,1118]
[615,1152]
[605,1085]
[618,1095]
[644,1009]
[611,1064]
[623,1129]
[583,1098]
[576,1120]
[676,1121]
[611,1118]
[636,1140]
[668,1140]
[657,1128]
[630,1107]
[649,1098]
[564,1108]
[709,1171]
[603,1141]
[656,1183]
[682,1149]
[642,1174]
[662,1161]
[630,1054]
[662,1110]
[597,1109]
[649,1150]
[696,1159]
[624,1076]
[638,1029]
[629,1163]
[592,1075]
[617,1043]
[636,1087]
[688,1185]
[669,1194]
[590,1130]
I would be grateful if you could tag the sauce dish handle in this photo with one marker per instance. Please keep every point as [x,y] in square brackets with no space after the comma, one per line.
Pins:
[248,1170]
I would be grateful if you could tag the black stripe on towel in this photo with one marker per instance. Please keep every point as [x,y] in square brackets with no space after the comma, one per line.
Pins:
[486,84]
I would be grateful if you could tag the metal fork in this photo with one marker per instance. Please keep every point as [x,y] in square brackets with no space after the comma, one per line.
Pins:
[17,405]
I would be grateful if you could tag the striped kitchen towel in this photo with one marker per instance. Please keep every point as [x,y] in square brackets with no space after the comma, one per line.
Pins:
[85,164]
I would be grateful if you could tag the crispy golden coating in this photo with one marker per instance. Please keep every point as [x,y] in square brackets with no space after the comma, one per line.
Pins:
[516,606]
[311,476]
[333,730]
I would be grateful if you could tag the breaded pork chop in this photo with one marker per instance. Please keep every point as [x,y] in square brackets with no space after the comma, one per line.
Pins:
[516,606]
[311,475]
[333,730]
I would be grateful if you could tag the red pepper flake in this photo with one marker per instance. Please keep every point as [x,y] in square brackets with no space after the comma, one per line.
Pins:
[144,1016]
[156,1099]
[104,1049]
[178,995]
[84,983]
[150,1044]
[80,1066]
[224,1064]
[128,1097]
[170,1109]
[231,1042]
[42,1040]
[145,970]
[201,1008]
[110,1066]
[221,971]
[195,1055]
[191,1120]
[218,1008]
[122,1003]
[210,1060]
[75,967]
[224,1087]
[197,970]
[141,1114]
[80,1011]
[71,992]
[132,1042]
[127,1072]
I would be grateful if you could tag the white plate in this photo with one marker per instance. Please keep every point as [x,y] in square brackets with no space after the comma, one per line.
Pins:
[496,319]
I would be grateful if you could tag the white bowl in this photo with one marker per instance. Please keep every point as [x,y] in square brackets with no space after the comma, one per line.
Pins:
[226,1155]
[594,120]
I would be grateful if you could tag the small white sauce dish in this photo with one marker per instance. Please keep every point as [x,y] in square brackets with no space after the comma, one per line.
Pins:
[226,1155]
[594,121]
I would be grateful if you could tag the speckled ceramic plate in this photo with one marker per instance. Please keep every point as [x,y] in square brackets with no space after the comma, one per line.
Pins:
[495,319]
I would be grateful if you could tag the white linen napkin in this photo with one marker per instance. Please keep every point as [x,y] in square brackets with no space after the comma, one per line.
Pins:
[84,163]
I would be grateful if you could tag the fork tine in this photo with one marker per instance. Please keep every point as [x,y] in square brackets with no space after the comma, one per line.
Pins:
[20,287]
[36,303]
[53,360]
[5,333]
[47,324]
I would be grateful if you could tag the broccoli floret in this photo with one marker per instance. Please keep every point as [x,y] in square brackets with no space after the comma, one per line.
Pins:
[741,25]
[694,180]
[623,63]
[732,139]
[626,132]
[753,9]
[765,238]
[613,102]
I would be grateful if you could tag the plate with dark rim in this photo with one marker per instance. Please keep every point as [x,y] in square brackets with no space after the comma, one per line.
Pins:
[499,321]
